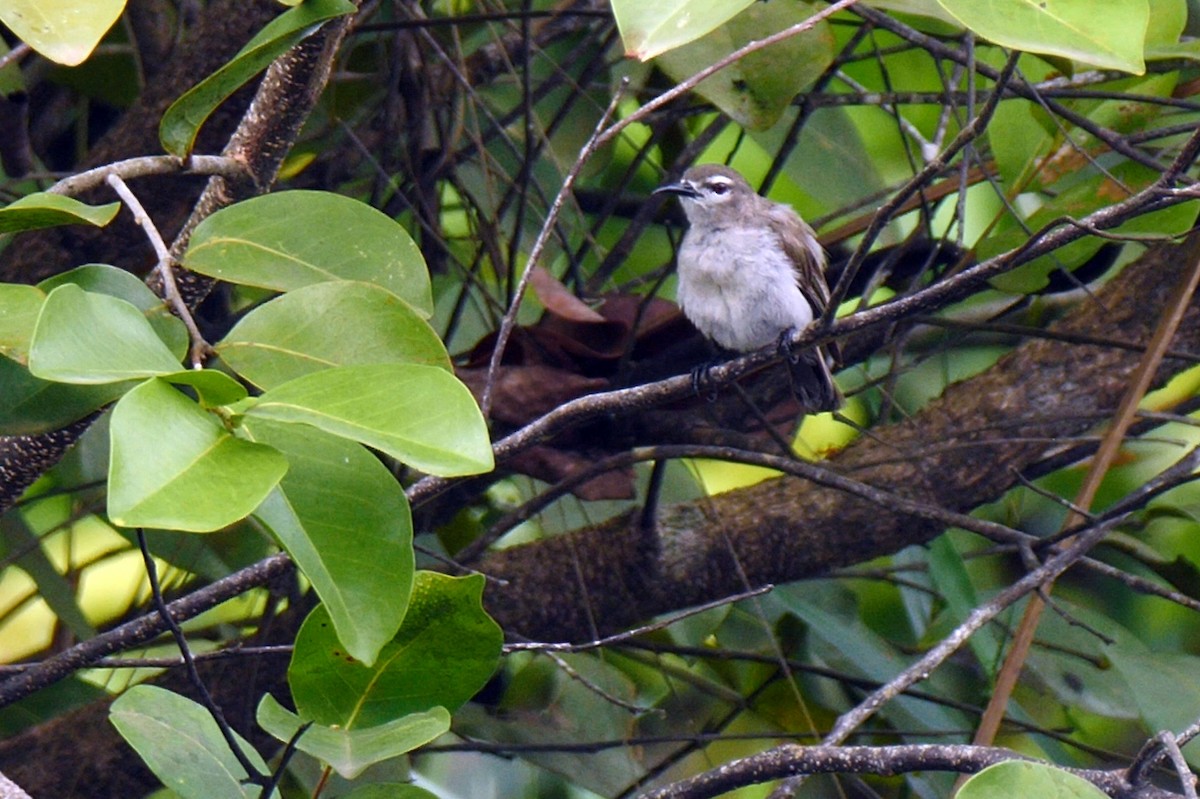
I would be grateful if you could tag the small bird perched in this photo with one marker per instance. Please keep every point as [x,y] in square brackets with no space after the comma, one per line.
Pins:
[751,272]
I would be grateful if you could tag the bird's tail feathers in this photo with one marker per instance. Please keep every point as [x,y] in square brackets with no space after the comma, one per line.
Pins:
[812,382]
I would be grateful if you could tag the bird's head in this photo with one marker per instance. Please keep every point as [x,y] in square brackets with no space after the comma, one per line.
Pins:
[710,192]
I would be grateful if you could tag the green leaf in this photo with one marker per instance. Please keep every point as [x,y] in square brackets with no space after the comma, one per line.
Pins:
[181,743]
[1163,685]
[19,308]
[345,521]
[757,89]
[173,465]
[328,324]
[649,29]
[29,405]
[64,31]
[953,583]
[445,652]
[105,279]
[212,387]
[268,242]
[349,752]
[183,119]
[42,210]
[89,338]
[847,643]
[1109,35]
[1021,778]
[420,415]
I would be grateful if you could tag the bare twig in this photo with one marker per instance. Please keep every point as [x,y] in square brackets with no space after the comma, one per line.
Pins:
[790,760]
[199,349]
[535,253]
[253,775]
[144,166]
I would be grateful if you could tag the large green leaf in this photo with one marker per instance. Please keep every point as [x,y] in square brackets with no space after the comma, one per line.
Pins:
[65,31]
[42,210]
[649,29]
[89,338]
[105,279]
[181,743]
[1110,35]
[421,415]
[344,519]
[349,751]
[755,90]
[183,119]
[1019,778]
[328,324]
[271,242]
[173,465]
[445,652]
[19,308]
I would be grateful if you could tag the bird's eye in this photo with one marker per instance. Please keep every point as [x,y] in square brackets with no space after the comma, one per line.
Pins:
[719,188]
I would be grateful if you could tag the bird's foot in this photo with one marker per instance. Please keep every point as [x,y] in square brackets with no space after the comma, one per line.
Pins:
[702,382]
[784,345]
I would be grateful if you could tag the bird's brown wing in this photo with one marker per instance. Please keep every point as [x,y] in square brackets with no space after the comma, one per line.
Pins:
[801,245]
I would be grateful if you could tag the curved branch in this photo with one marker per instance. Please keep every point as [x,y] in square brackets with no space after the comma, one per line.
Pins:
[790,760]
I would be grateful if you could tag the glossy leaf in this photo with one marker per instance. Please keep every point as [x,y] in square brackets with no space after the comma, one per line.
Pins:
[19,308]
[183,119]
[350,751]
[420,415]
[649,29]
[344,519]
[105,279]
[268,242]
[445,652]
[180,742]
[173,465]
[1020,778]
[87,338]
[64,31]
[213,388]
[43,210]
[1109,35]
[290,336]
[757,89]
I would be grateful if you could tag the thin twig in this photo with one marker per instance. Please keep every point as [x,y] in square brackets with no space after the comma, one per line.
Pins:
[200,348]
[1139,384]
[984,613]
[628,635]
[535,253]
[253,774]
[146,165]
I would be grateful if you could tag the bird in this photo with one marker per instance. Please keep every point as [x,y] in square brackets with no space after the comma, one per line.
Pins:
[751,273]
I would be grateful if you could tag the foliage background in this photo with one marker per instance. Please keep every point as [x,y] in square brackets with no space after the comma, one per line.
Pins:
[986,358]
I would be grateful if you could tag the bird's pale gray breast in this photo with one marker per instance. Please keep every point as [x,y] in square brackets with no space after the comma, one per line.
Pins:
[738,286]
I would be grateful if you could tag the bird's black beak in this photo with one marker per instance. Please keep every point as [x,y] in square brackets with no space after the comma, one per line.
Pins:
[681,188]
